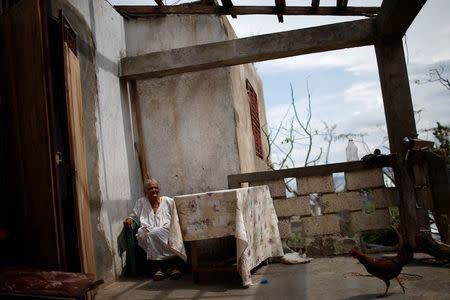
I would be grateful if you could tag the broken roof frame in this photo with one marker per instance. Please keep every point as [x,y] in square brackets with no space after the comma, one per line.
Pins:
[392,20]
[227,8]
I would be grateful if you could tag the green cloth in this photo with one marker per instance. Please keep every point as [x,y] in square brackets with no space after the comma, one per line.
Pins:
[131,253]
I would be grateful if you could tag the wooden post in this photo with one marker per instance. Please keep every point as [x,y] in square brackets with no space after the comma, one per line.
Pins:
[194,260]
[400,124]
[139,147]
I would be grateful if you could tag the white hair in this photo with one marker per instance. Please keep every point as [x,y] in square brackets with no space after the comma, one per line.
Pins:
[147,182]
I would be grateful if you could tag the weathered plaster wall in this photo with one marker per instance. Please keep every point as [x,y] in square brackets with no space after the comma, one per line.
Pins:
[112,166]
[188,119]
[189,131]
[196,126]
[170,32]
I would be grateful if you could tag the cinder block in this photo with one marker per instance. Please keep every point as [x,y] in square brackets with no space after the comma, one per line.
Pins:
[320,225]
[386,197]
[343,245]
[292,207]
[421,175]
[284,226]
[321,246]
[379,219]
[315,184]
[277,188]
[332,203]
[357,180]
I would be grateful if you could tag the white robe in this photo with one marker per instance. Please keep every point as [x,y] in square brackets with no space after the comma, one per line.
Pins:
[154,242]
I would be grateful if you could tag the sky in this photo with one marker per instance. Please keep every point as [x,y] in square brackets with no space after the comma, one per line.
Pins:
[343,85]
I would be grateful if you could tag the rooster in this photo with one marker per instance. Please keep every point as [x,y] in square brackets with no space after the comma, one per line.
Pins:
[386,268]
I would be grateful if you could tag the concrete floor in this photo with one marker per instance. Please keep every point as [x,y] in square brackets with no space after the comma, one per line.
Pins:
[322,278]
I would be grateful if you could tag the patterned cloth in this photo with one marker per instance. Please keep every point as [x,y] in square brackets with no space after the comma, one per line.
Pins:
[246,213]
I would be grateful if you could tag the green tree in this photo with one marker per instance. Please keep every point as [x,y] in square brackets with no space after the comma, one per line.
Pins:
[441,133]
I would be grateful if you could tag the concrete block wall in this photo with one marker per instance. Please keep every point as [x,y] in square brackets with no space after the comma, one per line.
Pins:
[315,184]
[277,188]
[363,206]
[333,203]
[357,180]
[379,219]
[298,206]
[338,229]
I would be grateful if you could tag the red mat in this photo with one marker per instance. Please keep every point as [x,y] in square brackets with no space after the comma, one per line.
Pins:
[24,280]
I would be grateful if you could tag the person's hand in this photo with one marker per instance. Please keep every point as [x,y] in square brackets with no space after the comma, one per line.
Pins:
[128,223]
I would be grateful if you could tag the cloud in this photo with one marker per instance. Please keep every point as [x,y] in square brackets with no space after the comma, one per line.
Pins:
[355,60]
[425,41]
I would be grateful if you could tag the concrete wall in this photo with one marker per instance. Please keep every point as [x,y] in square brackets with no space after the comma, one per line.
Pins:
[196,126]
[189,131]
[343,216]
[112,165]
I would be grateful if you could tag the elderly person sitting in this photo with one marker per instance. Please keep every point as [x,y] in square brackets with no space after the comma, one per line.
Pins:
[153,214]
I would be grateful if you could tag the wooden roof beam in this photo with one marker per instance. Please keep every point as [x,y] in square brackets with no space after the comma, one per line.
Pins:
[208,2]
[341,3]
[315,3]
[280,5]
[252,49]
[228,4]
[396,16]
[147,11]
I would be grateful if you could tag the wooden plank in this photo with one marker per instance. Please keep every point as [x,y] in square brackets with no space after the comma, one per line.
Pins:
[251,49]
[400,123]
[341,3]
[208,2]
[396,16]
[280,5]
[246,10]
[139,147]
[396,93]
[408,214]
[438,179]
[234,181]
[78,159]
[25,82]
[315,3]
[194,259]
[228,4]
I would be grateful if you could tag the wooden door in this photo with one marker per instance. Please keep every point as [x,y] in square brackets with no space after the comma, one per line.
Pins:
[32,226]
[78,157]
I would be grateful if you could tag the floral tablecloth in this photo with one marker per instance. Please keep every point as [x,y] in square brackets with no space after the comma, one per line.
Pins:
[246,213]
